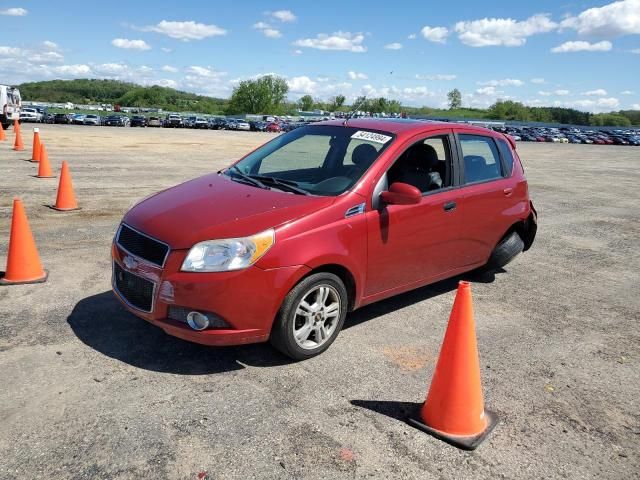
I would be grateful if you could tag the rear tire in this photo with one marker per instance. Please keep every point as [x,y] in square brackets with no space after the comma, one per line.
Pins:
[310,317]
[508,249]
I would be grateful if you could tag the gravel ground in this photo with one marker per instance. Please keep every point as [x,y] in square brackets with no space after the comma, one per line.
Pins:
[87,390]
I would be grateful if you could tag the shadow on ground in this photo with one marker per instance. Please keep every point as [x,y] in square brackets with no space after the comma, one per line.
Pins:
[100,322]
[396,410]
[389,305]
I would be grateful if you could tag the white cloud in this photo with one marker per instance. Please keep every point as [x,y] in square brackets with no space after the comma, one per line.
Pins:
[537,81]
[412,36]
[636,51]
[46,57]
[169,69]
[601,104]
[50,45]
[336,41]
[505,82]
[612,20]
[435,34]
[267,30]
[111,69]
[130,44]
[582,46]
[302,84]
[393,46]
[166,50]
[14,12]
[439,77]
[486,91]
[33,56]
[10,51]
[271,33]
[357,75]
[635,106]
[206,72]
[284,15]
[599,92]
[627,92]
[185,31]
[502,31]
[560,92]
[297,51]
[166,82]
[72,70]
[406,94]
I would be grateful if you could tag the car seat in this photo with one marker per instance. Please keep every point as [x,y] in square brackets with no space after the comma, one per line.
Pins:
[418,167]
[476,169]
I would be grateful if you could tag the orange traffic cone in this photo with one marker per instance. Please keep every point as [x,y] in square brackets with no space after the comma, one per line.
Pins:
[18,145]
[44,168]
[23,262]
[35,155]
[66,199]
[454,409]
[2,134]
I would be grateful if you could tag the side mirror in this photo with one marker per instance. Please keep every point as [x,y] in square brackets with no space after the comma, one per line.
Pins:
[401,194]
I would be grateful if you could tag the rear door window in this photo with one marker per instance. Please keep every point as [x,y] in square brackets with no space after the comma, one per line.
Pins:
[481,158]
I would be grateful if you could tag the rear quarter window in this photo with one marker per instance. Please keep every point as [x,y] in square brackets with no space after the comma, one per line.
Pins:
[507,157]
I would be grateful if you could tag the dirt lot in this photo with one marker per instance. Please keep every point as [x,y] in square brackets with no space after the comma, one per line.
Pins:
[89,391]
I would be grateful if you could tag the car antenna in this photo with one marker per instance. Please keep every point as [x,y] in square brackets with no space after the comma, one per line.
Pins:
[353,112]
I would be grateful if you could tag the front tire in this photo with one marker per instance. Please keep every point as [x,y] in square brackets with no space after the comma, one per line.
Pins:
[310,317]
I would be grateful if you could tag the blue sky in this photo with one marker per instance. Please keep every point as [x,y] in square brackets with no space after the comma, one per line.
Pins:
[583,54]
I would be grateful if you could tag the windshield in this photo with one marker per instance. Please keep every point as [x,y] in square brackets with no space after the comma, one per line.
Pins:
[319,159]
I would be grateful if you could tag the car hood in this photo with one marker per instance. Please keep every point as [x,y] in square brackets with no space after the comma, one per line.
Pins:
[214,206]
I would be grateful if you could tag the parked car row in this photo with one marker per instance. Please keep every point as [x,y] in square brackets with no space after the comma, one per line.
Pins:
[278,125]
[573,135]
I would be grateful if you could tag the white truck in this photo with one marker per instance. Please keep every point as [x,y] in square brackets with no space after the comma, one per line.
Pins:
[9,105]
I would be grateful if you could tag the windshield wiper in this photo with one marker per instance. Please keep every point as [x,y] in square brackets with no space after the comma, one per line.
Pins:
[253,181]
[284,184]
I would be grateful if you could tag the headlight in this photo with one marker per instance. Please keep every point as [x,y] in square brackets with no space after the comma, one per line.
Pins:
[228,254]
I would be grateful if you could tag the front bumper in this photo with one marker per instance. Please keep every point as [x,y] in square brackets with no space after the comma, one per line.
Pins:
[247,300]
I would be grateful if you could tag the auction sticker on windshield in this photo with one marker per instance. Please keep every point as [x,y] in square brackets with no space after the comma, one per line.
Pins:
[371,136]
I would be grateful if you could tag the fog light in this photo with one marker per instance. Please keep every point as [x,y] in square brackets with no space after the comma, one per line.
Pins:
[197,320]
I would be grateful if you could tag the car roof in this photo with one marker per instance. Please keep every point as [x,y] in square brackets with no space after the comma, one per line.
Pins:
[404,125]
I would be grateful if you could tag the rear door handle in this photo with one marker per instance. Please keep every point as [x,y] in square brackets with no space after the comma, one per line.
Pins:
[449,206]
[508,191]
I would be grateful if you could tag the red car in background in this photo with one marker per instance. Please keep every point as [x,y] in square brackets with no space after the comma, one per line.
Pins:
[318,222]
[273,127]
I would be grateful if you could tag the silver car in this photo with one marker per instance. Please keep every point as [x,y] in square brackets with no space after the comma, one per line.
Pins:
[242,125]
[92,120]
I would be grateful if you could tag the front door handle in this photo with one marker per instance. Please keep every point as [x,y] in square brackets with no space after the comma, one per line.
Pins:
[508,191]
[449,206]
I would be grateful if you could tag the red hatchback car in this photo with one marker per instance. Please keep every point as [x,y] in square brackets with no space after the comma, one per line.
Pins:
[318,222]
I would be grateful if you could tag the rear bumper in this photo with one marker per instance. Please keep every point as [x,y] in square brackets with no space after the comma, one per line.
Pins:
[247,300]
[531,228]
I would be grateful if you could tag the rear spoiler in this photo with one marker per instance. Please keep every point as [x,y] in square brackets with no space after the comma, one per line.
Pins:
[511,141]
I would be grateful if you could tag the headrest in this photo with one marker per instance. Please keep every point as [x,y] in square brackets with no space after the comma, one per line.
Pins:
[422,156]
[364,155]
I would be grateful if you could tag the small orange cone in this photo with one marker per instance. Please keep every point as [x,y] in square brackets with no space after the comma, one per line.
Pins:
[44,168]
[454,409]
[23,261]
[66,200]
[35,156]
[18,145]
[2,134]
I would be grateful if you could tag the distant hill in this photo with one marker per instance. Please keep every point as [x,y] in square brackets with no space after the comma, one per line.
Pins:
[92,91]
